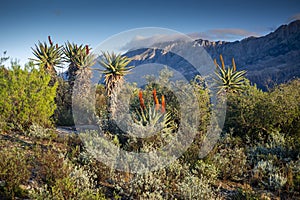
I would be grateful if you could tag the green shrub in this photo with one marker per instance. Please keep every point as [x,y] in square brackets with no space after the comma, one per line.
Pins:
[275,162]
[26,97]
[229,157]
[61,179]
[14,171]
[206,170]
[193,187]
[63,114]
[38,131]
[253,111]
[269,175]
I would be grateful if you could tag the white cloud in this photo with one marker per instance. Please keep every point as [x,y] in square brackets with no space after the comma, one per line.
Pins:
[213,35]
[141,41]
[294,17]
[223,34]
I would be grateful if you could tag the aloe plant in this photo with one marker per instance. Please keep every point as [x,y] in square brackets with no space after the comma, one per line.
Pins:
[47,56]
[149,115]
[115,68]
[228,78]
[79,59]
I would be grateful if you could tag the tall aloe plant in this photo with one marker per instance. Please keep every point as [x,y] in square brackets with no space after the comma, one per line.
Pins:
[48,57]
[79,59]
[228,78]
[115,68]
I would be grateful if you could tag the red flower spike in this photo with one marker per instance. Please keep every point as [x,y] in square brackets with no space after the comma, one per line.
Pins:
[163,104]
[87,51]
[50,41]
[57,46]
[142,103]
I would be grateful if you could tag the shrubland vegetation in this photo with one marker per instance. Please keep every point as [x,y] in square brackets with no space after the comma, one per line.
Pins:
[256,157]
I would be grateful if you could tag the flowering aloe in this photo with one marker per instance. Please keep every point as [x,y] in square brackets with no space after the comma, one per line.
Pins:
[47,57]
[78,57]
[150,115]
[228,79]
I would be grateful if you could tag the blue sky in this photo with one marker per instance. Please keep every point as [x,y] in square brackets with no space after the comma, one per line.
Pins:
[24,22]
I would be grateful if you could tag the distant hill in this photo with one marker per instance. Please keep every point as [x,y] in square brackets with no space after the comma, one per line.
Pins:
[269,60]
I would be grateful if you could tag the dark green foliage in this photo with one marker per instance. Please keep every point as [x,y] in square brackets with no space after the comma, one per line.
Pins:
[26,97]
[63,114]
[253,111]
[101,101]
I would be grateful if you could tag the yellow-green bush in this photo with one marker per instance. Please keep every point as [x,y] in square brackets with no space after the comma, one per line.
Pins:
[26,97]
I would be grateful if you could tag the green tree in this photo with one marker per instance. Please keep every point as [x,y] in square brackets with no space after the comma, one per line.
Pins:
[26,97]
[79,76]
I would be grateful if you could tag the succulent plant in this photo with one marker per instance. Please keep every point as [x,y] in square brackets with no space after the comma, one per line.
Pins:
[228,78]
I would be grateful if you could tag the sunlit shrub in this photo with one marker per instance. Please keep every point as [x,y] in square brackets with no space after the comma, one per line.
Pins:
[38,131]
[193,187]
[26,97]
[269,176]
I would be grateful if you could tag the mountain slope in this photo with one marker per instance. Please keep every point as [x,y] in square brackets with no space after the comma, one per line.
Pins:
[269,60]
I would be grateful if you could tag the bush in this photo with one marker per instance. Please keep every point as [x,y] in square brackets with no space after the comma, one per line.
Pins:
[14,171]
[63,114]
[254,111]
[62,178]
[26,97]
[37,131]
[269,176]
[193,187]
[275,162]
[230,159]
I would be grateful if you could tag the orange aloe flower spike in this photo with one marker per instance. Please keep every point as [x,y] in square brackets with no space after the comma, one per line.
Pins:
[142,103]
[155,99]
[163,104]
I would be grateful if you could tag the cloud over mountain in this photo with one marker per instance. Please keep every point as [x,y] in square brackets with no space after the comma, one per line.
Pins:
[294,17]
[223,34]
[212,35]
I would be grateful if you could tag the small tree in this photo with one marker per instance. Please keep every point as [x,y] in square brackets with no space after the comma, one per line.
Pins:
[79,76]
[26,97]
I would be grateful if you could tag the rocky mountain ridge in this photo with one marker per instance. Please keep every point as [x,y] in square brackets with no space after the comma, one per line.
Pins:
[269,60]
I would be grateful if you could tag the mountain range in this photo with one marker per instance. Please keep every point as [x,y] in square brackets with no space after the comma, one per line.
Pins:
[269,60]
